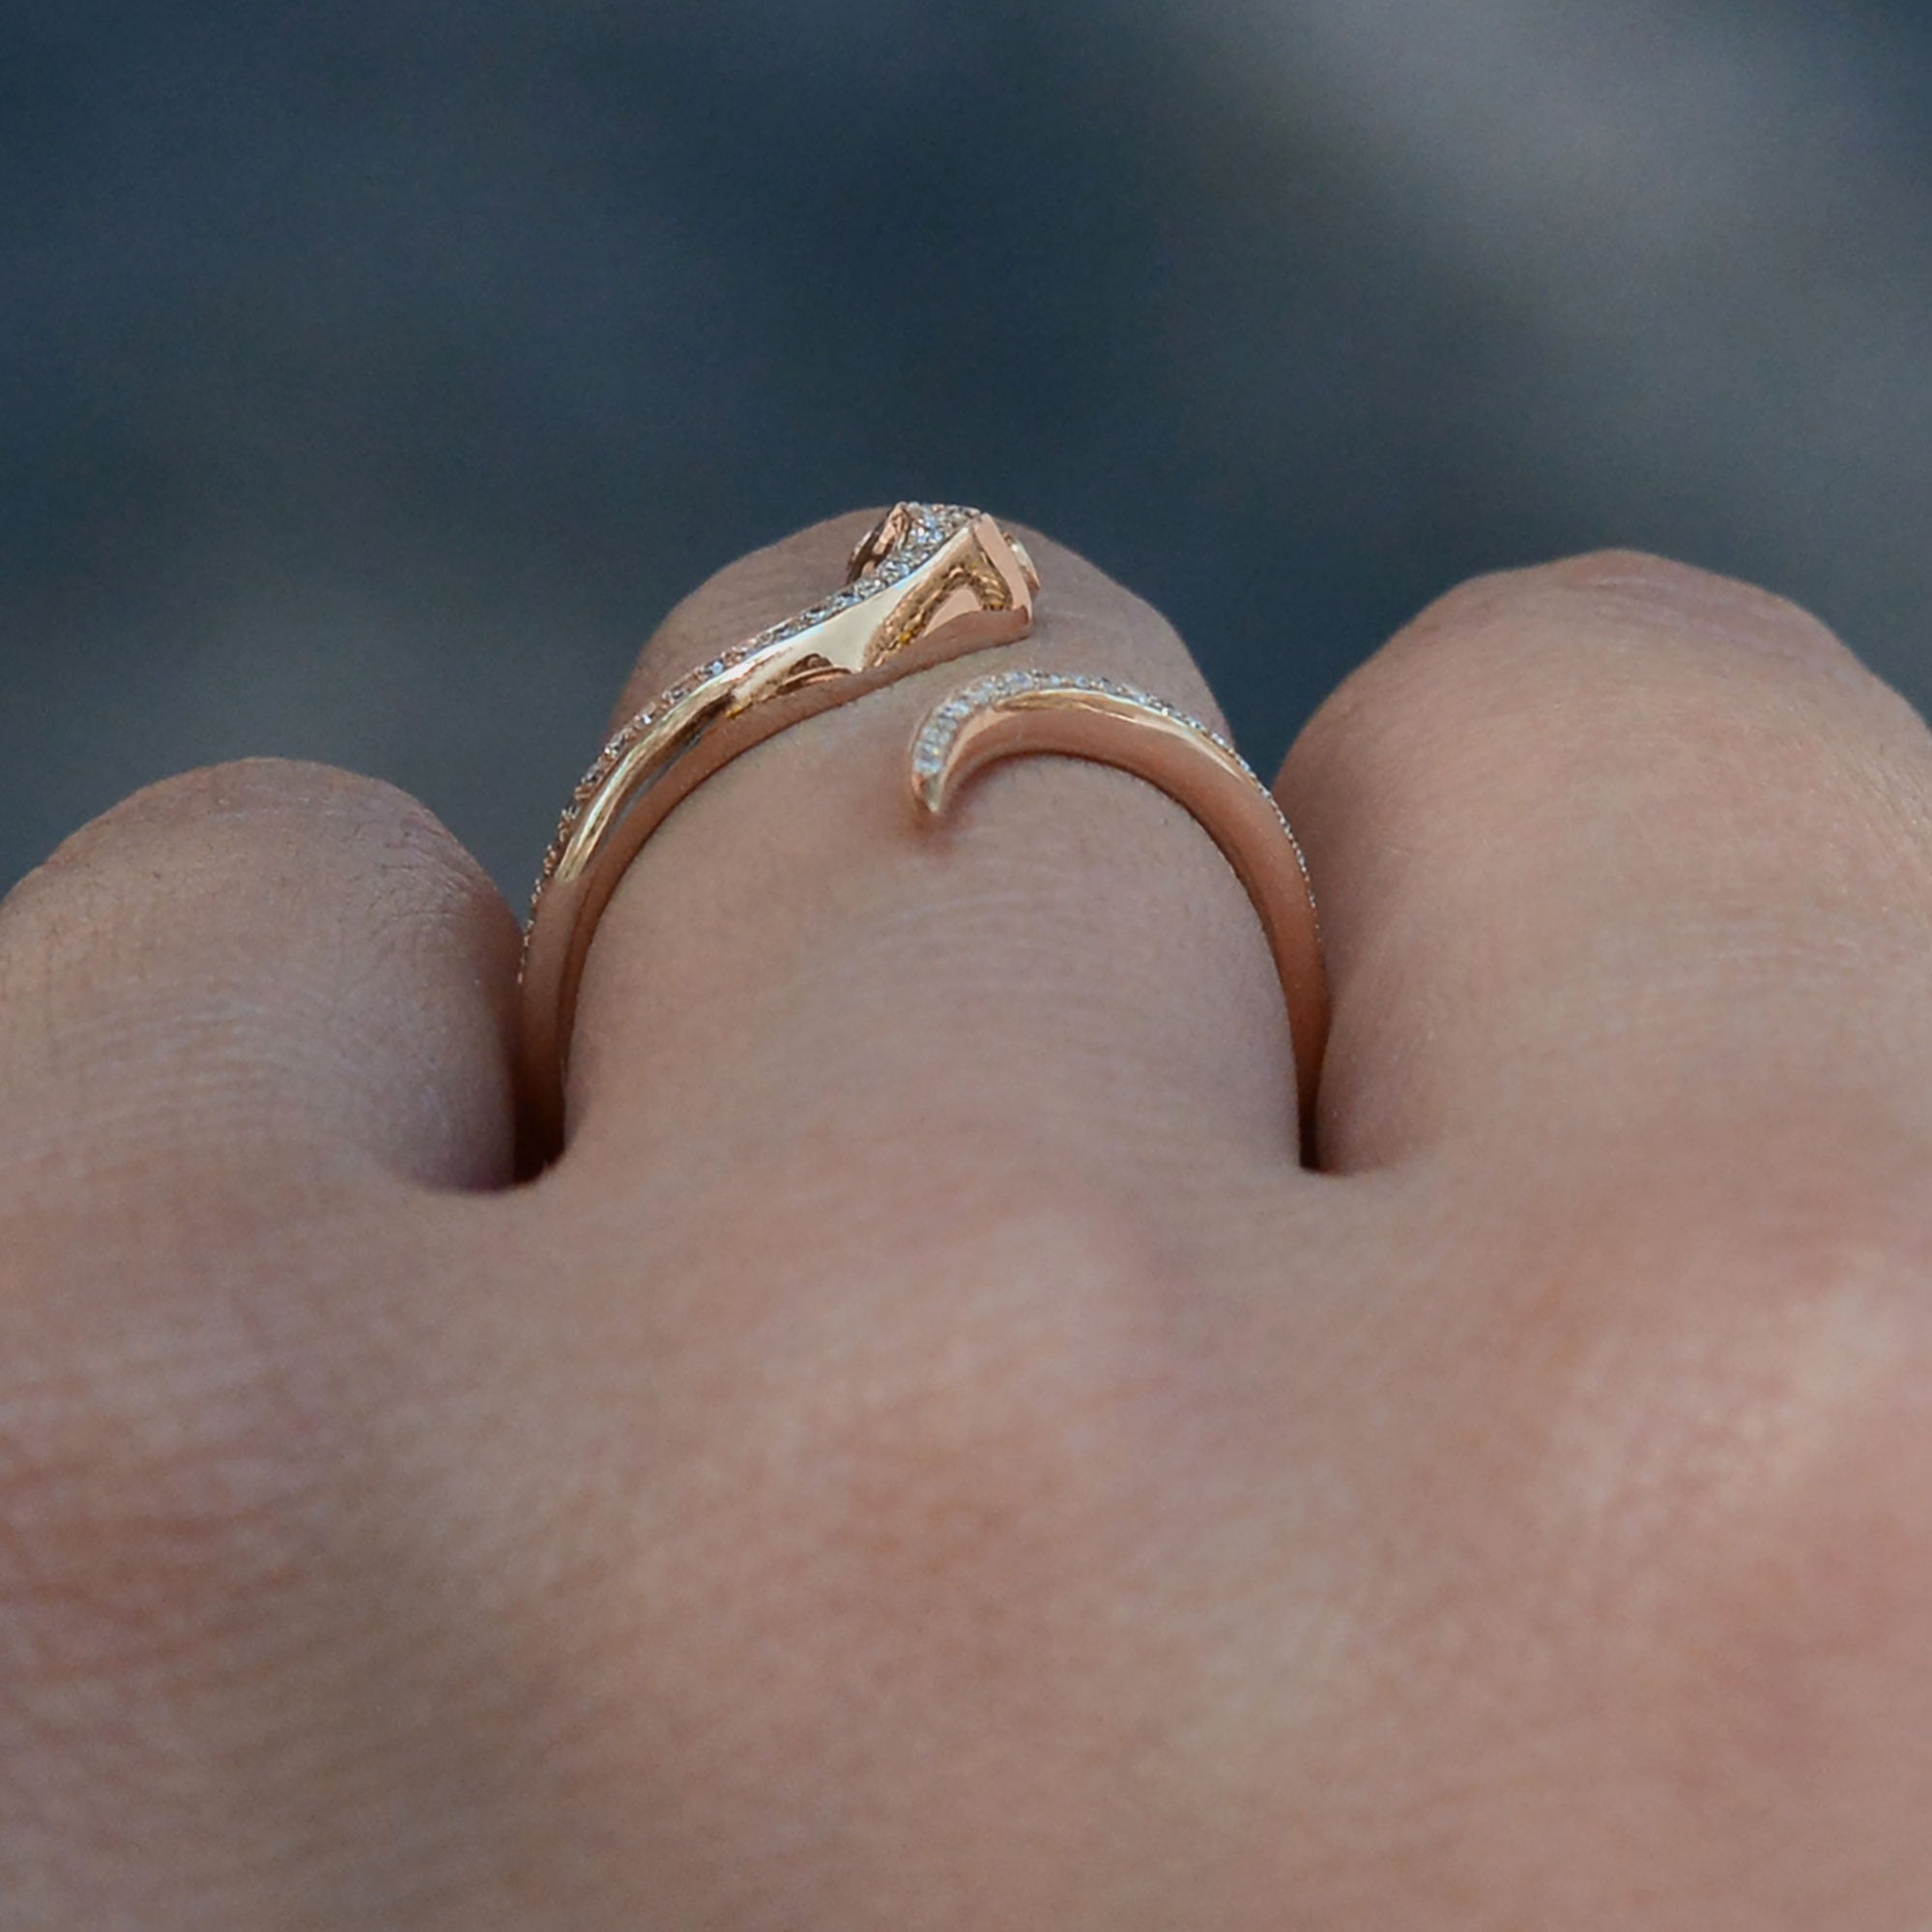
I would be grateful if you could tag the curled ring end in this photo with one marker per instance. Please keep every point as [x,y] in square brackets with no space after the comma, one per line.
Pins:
[931,792]
[1081,715]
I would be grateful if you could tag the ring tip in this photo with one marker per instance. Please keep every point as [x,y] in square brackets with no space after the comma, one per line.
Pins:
[929,793]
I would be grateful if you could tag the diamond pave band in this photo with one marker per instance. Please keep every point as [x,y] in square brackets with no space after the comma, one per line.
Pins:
[928,583]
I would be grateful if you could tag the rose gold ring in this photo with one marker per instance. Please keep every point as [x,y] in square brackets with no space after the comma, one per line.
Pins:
[927,583]
[1012,713]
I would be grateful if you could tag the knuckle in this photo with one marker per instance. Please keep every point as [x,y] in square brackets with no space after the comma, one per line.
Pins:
[986,1446]
[153,1503]
[1815,1606]
[182,968]
[1612,664]
[250,788]
[1608,594]
[184,847]
[1770,1562]
[1636,586]
[269,804]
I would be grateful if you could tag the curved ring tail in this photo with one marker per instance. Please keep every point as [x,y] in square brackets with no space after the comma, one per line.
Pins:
[1017,713]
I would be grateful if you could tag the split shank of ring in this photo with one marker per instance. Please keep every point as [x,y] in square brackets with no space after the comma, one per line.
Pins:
[926,584]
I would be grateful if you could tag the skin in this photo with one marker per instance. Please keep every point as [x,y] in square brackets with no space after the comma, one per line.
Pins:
[927,1457]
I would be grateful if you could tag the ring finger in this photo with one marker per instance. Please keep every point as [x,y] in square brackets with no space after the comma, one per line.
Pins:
[1065,971]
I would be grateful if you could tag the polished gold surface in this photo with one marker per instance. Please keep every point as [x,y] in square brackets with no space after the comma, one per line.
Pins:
[926,584]
[929,583]
[1015,713]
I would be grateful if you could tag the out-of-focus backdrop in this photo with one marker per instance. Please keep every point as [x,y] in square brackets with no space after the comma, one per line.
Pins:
[374,373]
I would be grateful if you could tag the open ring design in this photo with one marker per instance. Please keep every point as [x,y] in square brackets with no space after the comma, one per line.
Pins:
[927,583]
[1013,713]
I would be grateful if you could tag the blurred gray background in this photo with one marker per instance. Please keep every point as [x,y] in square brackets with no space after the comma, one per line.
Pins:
[374,374]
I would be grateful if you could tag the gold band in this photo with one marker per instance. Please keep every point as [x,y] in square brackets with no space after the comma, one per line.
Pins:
[928,583]
[1014,714]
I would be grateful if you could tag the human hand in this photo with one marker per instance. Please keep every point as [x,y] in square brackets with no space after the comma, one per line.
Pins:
[928,1457]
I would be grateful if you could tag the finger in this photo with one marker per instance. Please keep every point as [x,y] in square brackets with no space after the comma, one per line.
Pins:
[1614,851]
[1065,963]
[263,962]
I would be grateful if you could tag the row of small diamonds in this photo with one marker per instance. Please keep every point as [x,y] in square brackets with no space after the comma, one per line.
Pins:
[942,727]
[940,731]
[930,524]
